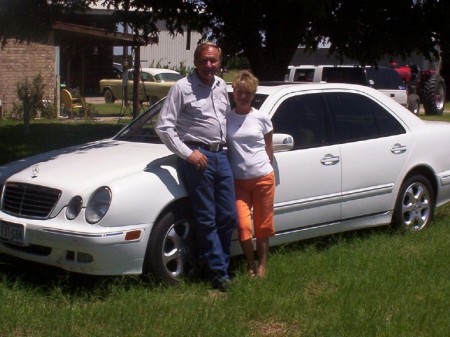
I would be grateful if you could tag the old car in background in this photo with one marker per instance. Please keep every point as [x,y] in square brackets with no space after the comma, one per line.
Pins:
[346,157]
[153,85]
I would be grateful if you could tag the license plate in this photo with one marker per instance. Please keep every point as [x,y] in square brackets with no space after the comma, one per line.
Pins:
[12,233]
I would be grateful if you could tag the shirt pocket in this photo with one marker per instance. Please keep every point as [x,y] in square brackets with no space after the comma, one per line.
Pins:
[221,104]
[197,108]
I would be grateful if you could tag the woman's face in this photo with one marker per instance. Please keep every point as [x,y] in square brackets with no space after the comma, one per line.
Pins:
[243,97]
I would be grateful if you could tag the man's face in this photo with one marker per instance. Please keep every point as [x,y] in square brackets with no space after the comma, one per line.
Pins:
[208,64]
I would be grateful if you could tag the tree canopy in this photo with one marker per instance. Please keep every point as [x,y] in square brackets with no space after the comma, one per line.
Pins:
[267,32]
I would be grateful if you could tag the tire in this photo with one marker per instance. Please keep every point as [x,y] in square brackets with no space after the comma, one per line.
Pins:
[414,208]
[434,95]
[168,255]
[414,104]
[109,96]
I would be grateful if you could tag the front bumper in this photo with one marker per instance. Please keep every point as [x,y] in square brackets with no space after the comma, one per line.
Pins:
[83,249]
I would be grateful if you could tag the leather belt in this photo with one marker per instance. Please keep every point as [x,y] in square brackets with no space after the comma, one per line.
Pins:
[214,147]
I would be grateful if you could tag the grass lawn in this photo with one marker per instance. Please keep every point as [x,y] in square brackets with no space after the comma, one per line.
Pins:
[371,283]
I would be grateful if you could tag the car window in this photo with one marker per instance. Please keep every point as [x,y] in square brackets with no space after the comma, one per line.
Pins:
[302,117]
[344,75]
[167,77]
[384,78]
[357,117]
[304,75]
[147,77]
[142,129]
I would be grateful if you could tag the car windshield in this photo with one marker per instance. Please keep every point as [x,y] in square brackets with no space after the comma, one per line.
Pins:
[167,77]
[142,130]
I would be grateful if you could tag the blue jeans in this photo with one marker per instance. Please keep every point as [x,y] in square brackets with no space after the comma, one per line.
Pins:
[214,210]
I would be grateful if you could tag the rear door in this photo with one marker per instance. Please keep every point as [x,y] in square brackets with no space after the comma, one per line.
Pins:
[374,148]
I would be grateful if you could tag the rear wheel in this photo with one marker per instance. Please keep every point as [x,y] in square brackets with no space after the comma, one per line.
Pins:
[415,204]
[168,254]
[434,95]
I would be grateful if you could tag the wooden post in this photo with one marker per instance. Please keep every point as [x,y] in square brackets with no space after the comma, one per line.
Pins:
[136,81]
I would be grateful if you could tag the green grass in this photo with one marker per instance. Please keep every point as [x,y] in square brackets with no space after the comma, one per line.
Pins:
[371,283]
[102,109]
[367,283]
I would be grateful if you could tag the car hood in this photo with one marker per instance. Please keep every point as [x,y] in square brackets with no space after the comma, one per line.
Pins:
[93,163]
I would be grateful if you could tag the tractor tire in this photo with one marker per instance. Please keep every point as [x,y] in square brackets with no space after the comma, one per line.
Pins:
[434,95]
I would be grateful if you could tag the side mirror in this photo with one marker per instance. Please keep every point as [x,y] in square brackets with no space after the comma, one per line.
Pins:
[282,142]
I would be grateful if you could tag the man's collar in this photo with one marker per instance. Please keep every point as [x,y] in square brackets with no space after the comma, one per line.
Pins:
[197,81]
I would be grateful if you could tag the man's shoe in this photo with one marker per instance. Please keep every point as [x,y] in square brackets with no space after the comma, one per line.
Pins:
[222,284]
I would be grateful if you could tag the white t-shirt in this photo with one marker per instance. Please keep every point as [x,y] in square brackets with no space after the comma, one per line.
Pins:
[246,147]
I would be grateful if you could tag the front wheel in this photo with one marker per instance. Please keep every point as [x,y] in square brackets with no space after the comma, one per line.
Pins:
[168,254]
[414,104]
[109,96]
[415,204]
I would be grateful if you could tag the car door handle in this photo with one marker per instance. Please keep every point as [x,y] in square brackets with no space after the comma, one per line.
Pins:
[329,160]
[398,149]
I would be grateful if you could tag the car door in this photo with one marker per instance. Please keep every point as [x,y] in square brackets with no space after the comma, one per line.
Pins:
[373,148]
[308,177]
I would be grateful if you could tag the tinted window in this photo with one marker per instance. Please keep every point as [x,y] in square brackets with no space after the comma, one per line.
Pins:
[357,117]
[303,118]
[304,75]
[384,78]
[344,75]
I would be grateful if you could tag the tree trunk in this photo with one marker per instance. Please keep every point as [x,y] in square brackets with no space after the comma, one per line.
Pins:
[26,116]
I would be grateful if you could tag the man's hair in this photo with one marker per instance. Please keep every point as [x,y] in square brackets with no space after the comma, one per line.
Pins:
[205,45]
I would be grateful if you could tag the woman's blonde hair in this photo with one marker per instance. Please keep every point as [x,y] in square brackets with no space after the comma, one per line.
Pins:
[245,80]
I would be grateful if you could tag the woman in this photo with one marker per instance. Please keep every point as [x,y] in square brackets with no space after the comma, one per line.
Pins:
[250,150]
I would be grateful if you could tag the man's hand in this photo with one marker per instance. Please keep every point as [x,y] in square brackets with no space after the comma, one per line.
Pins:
[198,159]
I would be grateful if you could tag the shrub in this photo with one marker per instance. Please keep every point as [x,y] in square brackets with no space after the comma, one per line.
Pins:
[33,94]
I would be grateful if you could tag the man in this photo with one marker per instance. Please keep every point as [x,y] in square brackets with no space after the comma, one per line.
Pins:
[192,125]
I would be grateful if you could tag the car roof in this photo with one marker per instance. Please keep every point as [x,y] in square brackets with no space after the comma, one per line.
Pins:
[307,66]
[272,87]
[156,71]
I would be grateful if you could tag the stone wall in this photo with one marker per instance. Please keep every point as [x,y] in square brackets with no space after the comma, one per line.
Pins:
[20,61]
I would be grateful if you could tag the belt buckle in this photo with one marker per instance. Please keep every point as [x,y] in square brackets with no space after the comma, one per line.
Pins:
[214,147]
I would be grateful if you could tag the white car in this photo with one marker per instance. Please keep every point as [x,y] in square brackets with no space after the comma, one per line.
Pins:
[347,157]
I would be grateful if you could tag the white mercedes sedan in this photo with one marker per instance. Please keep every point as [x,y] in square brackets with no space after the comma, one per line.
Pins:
[346,157]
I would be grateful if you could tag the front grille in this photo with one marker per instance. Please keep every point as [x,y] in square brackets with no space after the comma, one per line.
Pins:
[29,201]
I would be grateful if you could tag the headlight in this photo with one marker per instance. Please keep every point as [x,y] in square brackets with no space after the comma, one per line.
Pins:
[98,205]
[74,207]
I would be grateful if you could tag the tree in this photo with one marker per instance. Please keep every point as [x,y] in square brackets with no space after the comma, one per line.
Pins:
[267,32]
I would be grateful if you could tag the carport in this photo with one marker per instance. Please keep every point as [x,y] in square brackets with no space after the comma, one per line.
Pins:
[85,44]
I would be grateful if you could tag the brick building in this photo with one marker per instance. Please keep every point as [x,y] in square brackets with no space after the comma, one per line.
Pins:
[20,61]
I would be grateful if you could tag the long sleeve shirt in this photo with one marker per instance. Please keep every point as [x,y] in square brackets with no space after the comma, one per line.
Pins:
[195,112]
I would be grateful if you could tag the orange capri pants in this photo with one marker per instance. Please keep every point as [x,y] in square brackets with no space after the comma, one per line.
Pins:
[257,194]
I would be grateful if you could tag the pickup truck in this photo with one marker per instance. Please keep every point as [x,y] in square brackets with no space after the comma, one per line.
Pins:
[154,85]
[383,79]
